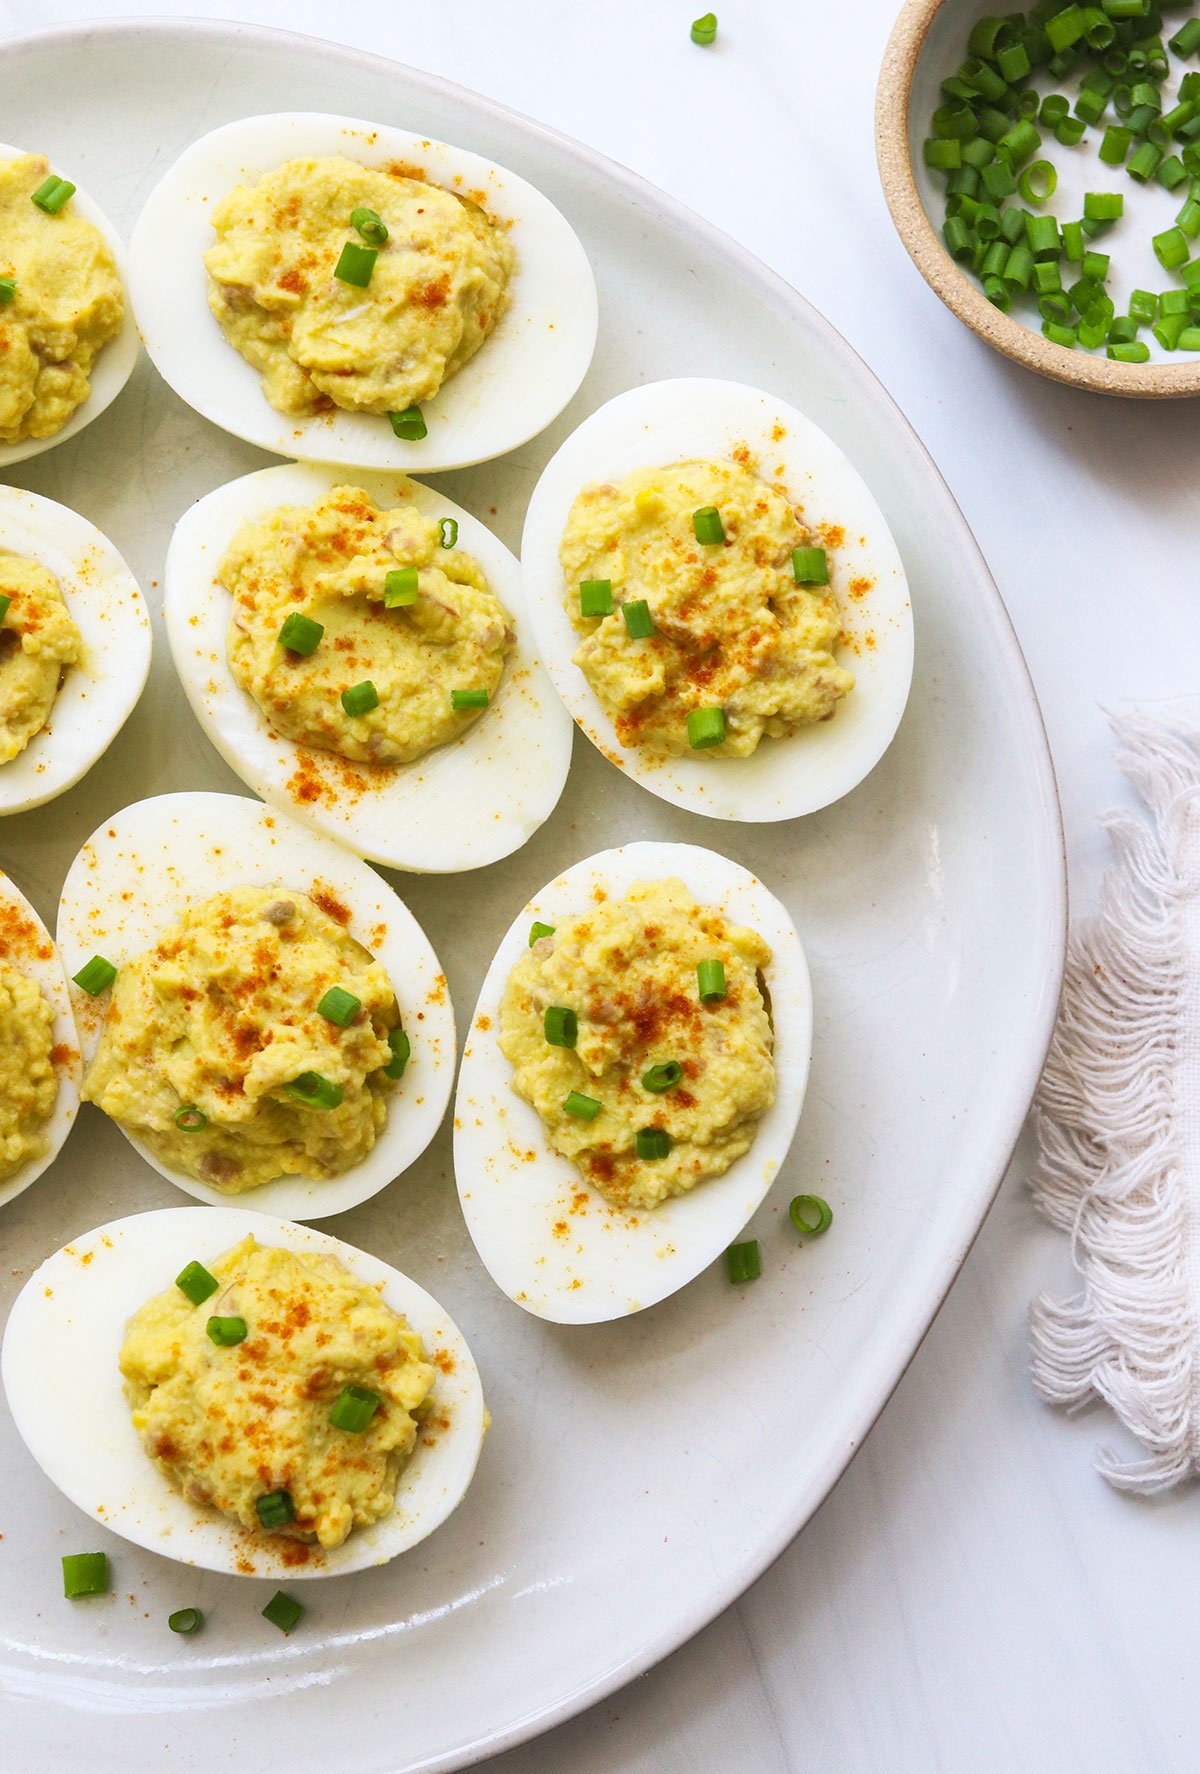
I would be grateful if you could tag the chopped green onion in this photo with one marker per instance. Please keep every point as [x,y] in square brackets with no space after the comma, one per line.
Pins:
[1103,206]
[461,699]
[185,1620]
[370,224]
[743,1262]
[283,1611]
[1170,248]
[711,978]
[1013,62]
[300,634]
[810,1214]
[639,623]
[595,597]
[196,1282]
[1019,269]
[53,195]
[313,1091]
[401,587]
[1090,106]
[997,179]
[1189,339]
[1135,352]
[226,1333]
[353,1408]
[355,264]
[1189,218]
[1186,40]
[8,289]
[1038,181]
[339,1006]
[410,424]
[1114,144]
[706,727]
[997,291]
[664,1076]
[275,1509]
[1172,173]
[652,1143]
[85,1573]
[401,1048]
[4,607]
[95,976]
[190,1119]
[449,532]
[1059,334]
[585,1108]
[704,30]
[1072,239]
[1018,144]
[1070,131]
[360,699]
[1122,330]
[537,931]
[707,525]
[1144,162]
[1042,235]
[560,1026]
[810,566]
[1174,302]
[1065,28]
[944,154]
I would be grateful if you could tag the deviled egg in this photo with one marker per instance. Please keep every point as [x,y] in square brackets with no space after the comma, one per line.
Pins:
[456,749]
[39,1047]
[68,342]
[197,1412]
[74,647]
[258,1011]
[632,1081]
[343,291]
[718,600]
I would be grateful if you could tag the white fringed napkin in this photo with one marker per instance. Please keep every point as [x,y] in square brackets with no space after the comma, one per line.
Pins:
[1118,1125]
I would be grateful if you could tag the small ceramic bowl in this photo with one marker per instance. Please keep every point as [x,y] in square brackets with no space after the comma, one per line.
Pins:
[927,44]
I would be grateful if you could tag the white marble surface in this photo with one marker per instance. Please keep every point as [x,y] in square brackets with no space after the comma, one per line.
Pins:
[971,1596]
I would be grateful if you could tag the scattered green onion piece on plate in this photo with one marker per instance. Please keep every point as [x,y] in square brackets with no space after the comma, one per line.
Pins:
[85,1573]
[584,1108]
[360,699]
[1170,248]
[339,1006]
[409,424]
[353,1409]
[95,976]
[1137,351]
[704,30]
[314,1091]
[560,1025]
[743,1262]
[195,1281]
[810,1214]
[185,1621]
[283,1611]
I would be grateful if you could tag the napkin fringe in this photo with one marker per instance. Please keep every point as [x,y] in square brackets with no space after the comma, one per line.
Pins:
[1109,1168]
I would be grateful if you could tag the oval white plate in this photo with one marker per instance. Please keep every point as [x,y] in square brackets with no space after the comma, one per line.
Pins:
[521,745]
[518,381]
[115,364]
[74,1310]
[587,1547]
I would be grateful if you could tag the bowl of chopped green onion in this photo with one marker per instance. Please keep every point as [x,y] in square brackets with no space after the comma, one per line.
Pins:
[1043,171]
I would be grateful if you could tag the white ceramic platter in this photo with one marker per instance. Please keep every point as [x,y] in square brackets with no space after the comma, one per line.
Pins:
[608,1519]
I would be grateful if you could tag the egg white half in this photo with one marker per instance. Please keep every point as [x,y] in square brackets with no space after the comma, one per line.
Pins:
[462,806]
[516,1190]
[99,693]
[114,365]
[521,378]
[69,1320]
[141,868]
[26,945]
[697,418]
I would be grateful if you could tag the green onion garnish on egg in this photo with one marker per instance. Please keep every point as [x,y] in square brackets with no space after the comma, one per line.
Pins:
[300,634]
[710,977]
[463,699]
[53,195]
[810,566]
[664,1076]
[410,424]
[652,1143]
[275,1509]
[595,597]
[360,699]
[370,224]
[400,588]
[355,264]
[560,1026]
[353,1409]
[401,1048]
[639,623]
[313,1091]
[339,1006]
[707,525]
[190,1119]
[227,1333]
[706,727]
[584,1108]
[537,931]
[196,1282]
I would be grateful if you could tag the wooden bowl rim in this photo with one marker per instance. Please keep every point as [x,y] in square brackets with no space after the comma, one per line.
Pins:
[959,292]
